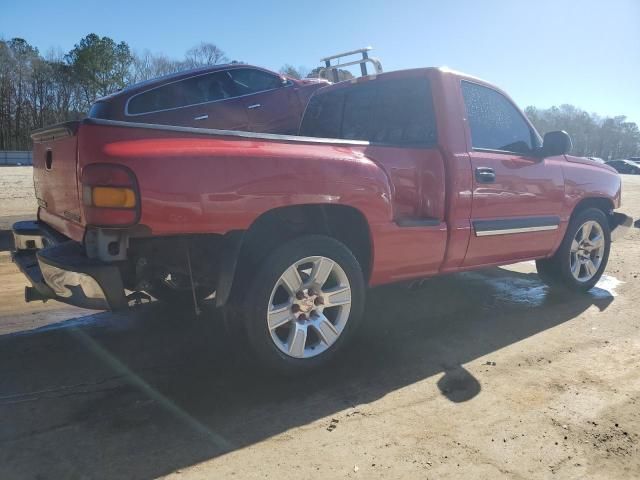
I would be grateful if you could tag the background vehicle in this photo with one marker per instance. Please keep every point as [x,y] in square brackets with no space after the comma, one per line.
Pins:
[625,166]
[227,97]
[425,171]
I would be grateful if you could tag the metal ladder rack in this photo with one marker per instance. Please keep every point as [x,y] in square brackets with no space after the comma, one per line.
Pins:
[333,69]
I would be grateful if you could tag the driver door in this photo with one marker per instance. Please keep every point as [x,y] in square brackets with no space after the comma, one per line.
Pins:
[517,196]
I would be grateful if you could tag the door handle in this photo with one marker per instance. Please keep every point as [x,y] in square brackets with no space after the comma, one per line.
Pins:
[255,105]
[201,117]
[485,175]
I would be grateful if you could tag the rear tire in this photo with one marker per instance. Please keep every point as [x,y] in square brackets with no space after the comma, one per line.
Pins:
[303,304]
[582,256]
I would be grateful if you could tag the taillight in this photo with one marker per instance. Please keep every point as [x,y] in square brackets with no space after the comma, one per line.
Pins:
[110,195]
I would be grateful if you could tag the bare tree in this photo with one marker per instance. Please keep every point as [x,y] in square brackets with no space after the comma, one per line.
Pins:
[148,65]
[7,67]
[293,72]
[204,54]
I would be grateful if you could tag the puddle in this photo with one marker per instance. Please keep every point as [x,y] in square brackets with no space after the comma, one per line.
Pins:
[524,291]
[606,287]
[532,292]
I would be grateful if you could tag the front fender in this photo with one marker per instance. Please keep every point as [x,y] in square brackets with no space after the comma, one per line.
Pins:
[590,180]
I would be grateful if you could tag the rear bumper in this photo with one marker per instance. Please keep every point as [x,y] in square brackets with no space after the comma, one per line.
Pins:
[59,269]
[620,224]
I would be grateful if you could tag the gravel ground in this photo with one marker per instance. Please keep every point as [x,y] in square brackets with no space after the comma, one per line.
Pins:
[478,375]
[16,195]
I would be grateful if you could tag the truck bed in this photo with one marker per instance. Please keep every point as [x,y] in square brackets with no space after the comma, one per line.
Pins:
[201,181]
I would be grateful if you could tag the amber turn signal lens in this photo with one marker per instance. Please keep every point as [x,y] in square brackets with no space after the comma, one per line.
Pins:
[113,197]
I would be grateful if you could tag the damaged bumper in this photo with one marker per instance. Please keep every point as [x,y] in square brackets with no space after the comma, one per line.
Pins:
[59,269]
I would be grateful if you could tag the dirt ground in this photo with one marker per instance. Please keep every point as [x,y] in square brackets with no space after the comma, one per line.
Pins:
[480,375]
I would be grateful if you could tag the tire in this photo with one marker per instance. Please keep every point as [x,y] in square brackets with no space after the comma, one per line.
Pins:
[295,337]
[565,269]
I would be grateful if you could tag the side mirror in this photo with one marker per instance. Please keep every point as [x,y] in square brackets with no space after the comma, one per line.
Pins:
[284,81]
[556,143]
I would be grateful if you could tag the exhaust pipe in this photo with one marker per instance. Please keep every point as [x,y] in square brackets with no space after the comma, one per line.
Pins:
[32,294]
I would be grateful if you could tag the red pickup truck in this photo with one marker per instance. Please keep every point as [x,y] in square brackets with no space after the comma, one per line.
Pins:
[392,177]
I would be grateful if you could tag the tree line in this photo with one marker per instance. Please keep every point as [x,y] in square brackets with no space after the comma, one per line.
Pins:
[592,135]
[37,90]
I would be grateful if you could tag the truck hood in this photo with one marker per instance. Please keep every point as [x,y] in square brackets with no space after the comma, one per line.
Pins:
[587,161]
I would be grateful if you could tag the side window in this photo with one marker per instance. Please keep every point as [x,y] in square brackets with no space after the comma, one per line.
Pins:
[398,112]
[207,88]
[162,98]
[494,122]
[250,80]
[191,91]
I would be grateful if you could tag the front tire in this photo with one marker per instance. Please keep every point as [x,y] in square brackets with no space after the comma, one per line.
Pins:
[303,304]
[582,256]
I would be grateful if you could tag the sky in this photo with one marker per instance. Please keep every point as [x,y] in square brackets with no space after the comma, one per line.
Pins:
[542,52]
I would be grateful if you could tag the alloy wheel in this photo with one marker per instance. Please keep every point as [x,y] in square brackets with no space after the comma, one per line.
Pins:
[309,307]
[587,250]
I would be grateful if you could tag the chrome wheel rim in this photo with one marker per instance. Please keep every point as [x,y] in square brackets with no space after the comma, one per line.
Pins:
[309,307]
[587,250]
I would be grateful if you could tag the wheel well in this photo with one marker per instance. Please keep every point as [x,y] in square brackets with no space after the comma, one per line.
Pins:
[346,224]
[604,204]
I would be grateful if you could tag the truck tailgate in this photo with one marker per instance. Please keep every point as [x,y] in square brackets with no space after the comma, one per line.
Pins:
[55,159]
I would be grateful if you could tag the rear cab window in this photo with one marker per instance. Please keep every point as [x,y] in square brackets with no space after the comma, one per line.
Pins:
[495,123]
[396,111]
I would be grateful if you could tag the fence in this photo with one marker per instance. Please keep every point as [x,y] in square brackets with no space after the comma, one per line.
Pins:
[15,158]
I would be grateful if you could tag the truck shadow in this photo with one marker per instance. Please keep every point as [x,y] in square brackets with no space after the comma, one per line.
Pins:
[6,240]
[6,232]
[144,394]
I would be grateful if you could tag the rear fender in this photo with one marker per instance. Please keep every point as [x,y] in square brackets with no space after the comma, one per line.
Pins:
[217,184]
